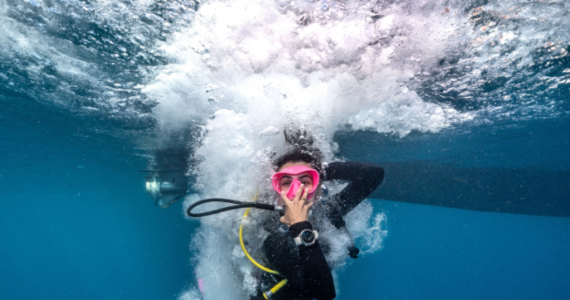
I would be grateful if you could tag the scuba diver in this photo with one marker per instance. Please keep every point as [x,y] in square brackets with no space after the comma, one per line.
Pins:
[292,250]
[292,247]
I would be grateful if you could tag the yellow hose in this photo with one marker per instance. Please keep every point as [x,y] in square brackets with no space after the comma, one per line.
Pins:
[277,287]
[274,290]
[245,251]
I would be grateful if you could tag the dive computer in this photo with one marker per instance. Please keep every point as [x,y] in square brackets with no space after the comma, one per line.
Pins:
[307,237]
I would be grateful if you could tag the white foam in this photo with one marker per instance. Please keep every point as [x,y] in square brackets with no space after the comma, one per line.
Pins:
[29,52]
[367,229]
[325,73]
[401,43]
[191,294]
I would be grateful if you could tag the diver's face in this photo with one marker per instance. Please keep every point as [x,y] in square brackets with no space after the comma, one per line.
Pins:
[305,178]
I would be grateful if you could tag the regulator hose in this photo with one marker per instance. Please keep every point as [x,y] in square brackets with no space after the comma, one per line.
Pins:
[238,205]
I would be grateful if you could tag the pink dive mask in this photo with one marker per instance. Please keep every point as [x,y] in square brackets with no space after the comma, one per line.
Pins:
[295,184]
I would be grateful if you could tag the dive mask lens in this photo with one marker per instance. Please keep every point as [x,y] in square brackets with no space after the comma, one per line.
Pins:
[295,183]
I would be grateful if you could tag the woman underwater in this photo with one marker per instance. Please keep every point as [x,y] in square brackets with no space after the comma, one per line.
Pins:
[292,247]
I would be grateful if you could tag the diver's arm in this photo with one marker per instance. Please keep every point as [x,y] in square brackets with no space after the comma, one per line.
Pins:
[305,268]
[364,179]
[317,278]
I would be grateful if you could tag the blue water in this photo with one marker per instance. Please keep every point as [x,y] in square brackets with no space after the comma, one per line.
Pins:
[442,253]
[76,223]
[439,253]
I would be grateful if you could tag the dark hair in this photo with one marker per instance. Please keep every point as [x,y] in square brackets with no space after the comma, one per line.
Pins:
[302,151]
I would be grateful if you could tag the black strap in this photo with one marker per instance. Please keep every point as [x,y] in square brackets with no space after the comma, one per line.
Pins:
[238,205]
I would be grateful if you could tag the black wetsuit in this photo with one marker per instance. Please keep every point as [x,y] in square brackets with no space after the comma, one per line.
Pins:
[305,268]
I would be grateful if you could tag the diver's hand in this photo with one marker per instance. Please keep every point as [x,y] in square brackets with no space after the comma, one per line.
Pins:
[298,208]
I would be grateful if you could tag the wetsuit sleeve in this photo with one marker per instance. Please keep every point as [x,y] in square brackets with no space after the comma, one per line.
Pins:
[364,179]
[305,268]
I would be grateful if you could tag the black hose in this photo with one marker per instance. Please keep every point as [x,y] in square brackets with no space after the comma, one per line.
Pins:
[238,205]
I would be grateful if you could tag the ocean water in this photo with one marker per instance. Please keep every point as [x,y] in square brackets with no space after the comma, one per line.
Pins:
[472,96]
